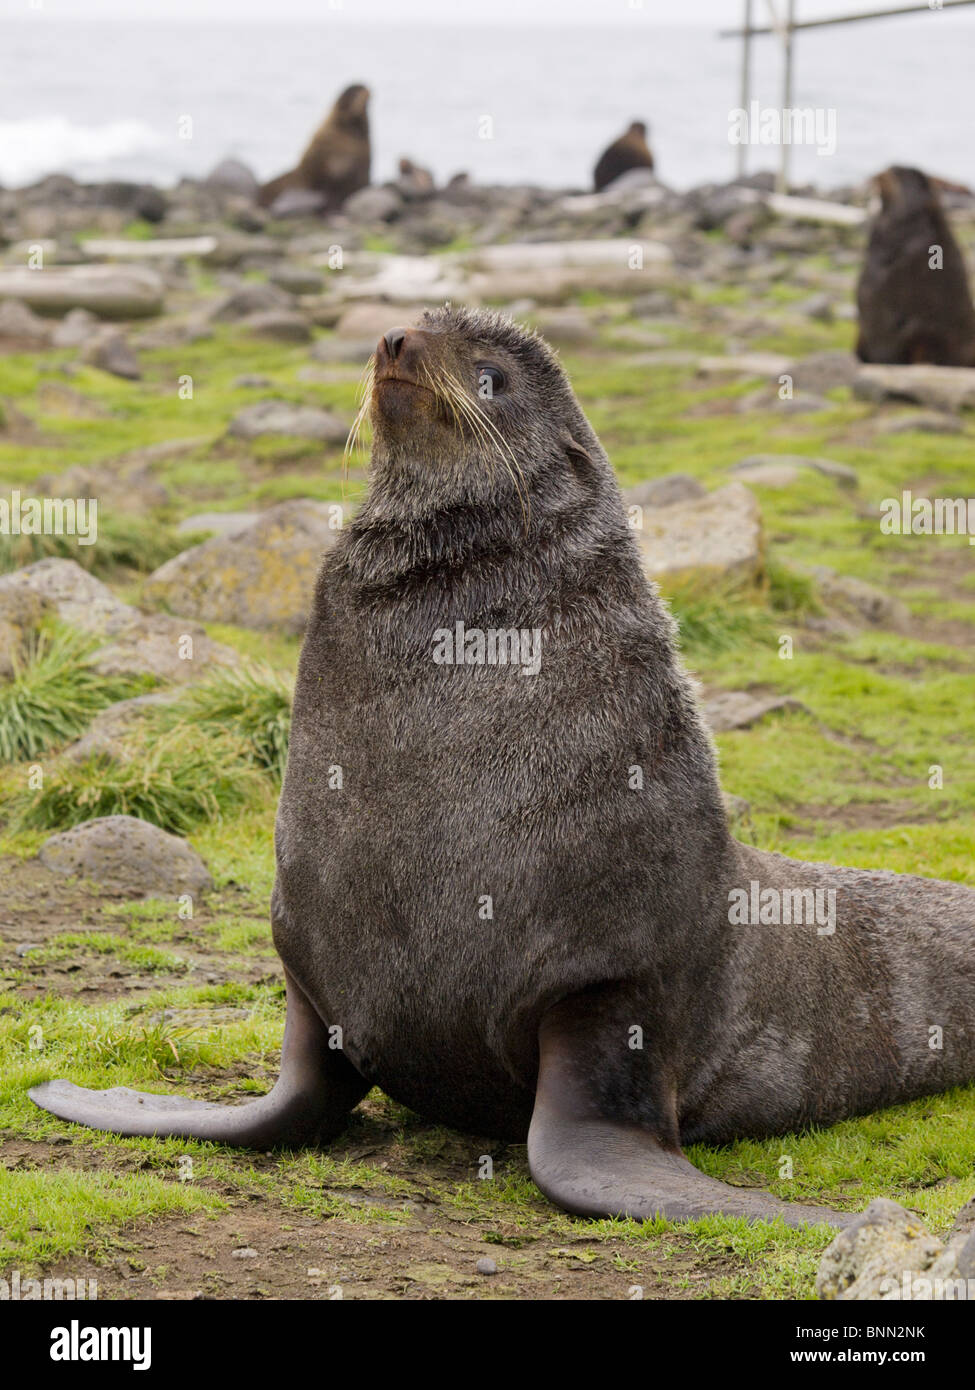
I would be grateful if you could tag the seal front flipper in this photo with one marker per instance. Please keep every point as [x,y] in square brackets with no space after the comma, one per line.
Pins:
[309,1103]
[593,1164]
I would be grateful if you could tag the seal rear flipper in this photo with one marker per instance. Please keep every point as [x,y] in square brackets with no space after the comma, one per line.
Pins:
[309,1103]
[599,1167]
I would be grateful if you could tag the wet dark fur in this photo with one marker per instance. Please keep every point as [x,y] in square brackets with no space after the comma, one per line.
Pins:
[630,151]
[464,781]
[337,160]
[909,312]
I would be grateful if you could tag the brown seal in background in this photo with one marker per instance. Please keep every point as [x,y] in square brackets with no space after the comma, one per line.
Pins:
[336,162]
[909,311]
[630,151]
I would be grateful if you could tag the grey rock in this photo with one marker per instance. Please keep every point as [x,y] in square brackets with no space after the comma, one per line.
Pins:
[110,351]
[278,325]
[260,577]
[841,473]
[110,726]
[719,535]
[921,422]
[129,856]
[357,350]
[655,304]
[75,329]
[296,280]
[110,291]
[823,371]
[936,388]
[738,709]
[233,176]
[569,326]
[220,523]
[136,643]
[818,306]
[486,1265]
[283,418]
[768,474]
[298,202]
[374,205]
[664,492]
[247,299]
[888,1254]
[18,322]
[861,598]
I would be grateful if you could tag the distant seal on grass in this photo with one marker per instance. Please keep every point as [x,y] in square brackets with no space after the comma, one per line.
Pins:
[630,151]
[913,309]
[336,162]
[506,890]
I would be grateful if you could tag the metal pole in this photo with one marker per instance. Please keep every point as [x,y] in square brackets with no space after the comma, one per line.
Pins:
[849,18]
[782,183]
[746,85]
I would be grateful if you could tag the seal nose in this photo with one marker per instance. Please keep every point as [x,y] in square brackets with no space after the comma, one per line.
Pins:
[394,340]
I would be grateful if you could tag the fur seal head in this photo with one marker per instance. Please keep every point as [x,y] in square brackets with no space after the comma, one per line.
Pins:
[467,408]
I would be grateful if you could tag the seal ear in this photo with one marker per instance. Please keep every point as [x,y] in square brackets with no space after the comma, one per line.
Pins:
[579,458]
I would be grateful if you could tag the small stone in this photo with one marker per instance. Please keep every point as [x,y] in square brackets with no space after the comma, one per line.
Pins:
[18,323]
[737,709]
[278,325]
[245,1252]
[109,350]
[921,422]
[485,1265]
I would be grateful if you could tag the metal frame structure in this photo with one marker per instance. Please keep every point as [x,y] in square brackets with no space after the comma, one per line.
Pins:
[784,26]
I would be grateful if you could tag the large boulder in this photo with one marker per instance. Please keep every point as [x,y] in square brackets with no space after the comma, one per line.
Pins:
[717,536]
[260,577]
[134,643]
[110,291]
[888,1255]
[128,856]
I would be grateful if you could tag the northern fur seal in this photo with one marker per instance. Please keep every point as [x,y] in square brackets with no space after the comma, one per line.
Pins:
[911,311]
[336,162]
[630,151]
[504,875]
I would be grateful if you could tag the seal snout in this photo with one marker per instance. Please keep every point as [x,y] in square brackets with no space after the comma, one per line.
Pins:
[394,340]
[400,356]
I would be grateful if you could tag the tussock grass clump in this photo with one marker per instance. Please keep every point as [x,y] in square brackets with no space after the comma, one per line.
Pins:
[176,781]
[125,542]
[252,703]
[54,694]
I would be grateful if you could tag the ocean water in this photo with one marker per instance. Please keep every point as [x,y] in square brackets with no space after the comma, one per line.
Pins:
[109,100]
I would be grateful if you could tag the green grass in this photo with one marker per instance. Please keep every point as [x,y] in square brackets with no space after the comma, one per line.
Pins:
[252,702]
[176,781]
[54,694]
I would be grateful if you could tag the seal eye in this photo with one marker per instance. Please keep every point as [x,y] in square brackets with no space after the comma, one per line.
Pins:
[491,380]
